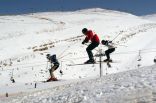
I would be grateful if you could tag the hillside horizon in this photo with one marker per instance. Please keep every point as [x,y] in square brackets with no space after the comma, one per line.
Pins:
[16,7]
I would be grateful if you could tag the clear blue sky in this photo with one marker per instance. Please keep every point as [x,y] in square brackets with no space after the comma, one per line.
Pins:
[137,7]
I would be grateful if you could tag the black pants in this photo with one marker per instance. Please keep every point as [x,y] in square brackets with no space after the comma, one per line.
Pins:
[108,52]
[89,49]
[53,68]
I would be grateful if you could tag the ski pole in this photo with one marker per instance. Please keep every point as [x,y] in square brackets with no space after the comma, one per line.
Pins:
[120,45]
[117,36]
[64,56]
[47,65]
[64,51]
[123,45]
[61,72]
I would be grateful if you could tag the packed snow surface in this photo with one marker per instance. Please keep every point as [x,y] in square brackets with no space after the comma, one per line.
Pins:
[135,86]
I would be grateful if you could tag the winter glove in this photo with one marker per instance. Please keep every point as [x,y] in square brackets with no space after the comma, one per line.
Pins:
[110,42]
[83,42]
[61,72]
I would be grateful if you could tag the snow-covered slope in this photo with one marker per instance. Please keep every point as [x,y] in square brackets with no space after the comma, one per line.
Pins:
[26,39]
[135,86]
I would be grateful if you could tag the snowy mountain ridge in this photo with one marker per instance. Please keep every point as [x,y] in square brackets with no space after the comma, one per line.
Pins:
[34,6]
[151,17]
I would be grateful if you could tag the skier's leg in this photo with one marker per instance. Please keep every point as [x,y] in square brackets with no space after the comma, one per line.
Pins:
[52,71]
[89,50]
[53,78]
[107,54]
[111,50]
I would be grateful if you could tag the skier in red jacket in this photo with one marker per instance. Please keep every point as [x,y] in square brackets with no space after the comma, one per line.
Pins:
[90,36]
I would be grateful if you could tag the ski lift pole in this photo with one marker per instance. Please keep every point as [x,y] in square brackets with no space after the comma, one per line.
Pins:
[100,64]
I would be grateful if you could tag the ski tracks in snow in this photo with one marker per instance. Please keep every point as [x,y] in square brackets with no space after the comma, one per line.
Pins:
[125,35]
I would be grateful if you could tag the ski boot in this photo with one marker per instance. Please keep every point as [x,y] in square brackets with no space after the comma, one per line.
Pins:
[52,79]
[90,61]
[98,55]
[107,60]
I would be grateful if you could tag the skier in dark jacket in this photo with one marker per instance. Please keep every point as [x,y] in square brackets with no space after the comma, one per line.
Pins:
[90,36]
[110,49]
[53,60]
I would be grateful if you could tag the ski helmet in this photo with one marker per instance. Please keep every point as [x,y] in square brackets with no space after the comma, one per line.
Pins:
[84,30]
[104,42]
[48,55]
[54,56]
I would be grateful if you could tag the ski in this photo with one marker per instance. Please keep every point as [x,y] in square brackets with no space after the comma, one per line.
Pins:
[108,63]
[47,81]
[113,61]
[81,64]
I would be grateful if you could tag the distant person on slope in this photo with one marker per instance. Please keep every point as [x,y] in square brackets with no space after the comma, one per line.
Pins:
[54,65]
[90,36]
[110,49]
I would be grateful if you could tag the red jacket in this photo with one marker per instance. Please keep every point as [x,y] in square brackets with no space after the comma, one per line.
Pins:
[92,36]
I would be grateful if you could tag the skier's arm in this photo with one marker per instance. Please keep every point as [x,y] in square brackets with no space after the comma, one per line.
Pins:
[111,43]
[88,37]
[85,41]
